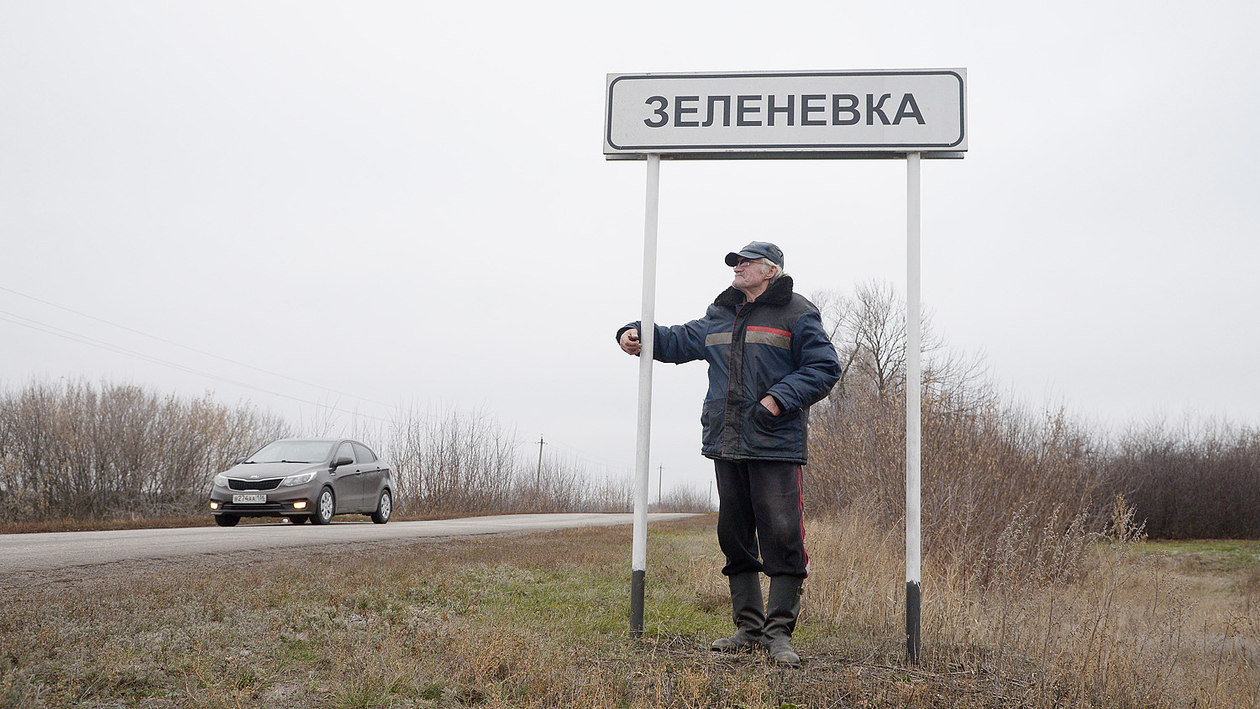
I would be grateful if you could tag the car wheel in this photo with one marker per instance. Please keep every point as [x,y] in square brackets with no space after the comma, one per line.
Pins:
[298,519]
[226,520]
[325,507]
[384,508]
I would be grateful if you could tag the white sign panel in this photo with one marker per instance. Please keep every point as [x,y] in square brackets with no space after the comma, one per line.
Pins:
[778,114]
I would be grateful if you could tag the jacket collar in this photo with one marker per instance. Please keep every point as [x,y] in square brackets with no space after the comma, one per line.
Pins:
[779,293]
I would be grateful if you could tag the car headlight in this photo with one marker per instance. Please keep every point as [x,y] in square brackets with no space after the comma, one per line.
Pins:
[300,479]
[220,480]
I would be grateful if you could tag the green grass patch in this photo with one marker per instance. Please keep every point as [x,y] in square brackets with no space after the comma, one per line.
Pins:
[1212,554]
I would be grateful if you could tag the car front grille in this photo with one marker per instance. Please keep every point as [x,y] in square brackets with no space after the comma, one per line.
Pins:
[270,484]
[258,509]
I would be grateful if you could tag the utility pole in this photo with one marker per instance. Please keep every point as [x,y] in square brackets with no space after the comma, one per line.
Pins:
[538,477]
[660,477]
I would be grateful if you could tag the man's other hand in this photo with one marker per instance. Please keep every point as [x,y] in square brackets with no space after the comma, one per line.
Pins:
[771,405]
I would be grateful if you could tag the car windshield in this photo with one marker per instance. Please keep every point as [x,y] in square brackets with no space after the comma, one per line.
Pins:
[293,452]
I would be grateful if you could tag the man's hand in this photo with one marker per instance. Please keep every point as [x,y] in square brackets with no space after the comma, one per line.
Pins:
[630,343]
[771,405]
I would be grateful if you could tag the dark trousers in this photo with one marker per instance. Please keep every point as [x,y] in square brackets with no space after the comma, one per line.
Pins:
[760,524]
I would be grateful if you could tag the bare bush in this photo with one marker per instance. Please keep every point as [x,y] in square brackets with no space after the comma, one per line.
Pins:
[453,462]
[563,485]
[105,451]
[684,498]
[983,475]
[1199,481]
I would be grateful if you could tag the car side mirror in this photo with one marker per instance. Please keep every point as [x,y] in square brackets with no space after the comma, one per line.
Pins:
[343,460]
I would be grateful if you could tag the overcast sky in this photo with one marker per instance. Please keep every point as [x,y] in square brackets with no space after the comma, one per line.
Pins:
[407,203]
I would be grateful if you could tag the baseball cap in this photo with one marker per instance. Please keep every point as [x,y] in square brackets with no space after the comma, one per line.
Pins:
[756,250]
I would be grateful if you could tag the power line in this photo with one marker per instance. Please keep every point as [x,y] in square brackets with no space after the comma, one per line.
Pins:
[49,329]
[191,349]
[591,460]
[84,339]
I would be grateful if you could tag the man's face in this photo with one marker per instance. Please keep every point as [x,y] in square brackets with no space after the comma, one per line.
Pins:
[751,275]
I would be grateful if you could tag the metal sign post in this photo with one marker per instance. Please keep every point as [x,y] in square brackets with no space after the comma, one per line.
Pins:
[808,115]
[914,402]
[647,337]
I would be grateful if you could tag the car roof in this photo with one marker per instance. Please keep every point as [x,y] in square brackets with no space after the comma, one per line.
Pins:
[323,440]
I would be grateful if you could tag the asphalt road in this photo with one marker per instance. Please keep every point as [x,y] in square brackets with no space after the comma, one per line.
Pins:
[64,550]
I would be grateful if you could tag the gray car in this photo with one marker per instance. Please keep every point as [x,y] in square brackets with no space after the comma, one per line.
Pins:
[308,478]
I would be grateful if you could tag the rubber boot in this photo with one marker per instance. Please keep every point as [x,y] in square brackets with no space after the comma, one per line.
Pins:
[746,611]
[782,608]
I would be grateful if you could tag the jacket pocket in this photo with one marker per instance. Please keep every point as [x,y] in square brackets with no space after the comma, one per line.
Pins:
[712,420]
[774,434]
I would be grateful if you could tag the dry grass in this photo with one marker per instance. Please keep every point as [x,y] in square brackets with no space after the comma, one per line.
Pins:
[540,620]
[70,524]
[1121,626]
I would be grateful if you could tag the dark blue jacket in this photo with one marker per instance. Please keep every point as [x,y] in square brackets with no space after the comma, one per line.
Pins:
[774,345]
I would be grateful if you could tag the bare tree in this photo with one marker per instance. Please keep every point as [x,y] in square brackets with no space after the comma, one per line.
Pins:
[876,332]
[869,331]
[835,309]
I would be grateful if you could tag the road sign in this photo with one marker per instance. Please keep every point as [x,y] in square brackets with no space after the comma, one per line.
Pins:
[909,114]
[816,114]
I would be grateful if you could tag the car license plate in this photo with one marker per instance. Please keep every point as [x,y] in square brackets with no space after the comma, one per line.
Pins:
[248,499]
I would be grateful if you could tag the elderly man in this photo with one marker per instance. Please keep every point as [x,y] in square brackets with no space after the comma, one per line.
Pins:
[769,360]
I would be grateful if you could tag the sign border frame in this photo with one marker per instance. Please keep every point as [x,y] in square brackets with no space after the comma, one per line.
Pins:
[786,151]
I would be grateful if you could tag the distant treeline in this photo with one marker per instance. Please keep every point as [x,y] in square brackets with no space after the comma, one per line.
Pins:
[996,475]
[1198,481]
